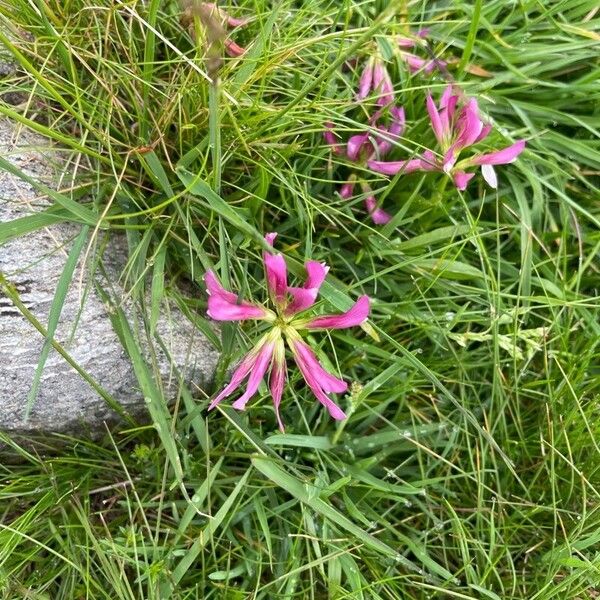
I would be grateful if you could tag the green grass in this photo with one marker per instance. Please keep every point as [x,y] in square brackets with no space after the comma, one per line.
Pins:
[469,465]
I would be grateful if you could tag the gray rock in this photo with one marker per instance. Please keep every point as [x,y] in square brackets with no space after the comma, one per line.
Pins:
[33,265]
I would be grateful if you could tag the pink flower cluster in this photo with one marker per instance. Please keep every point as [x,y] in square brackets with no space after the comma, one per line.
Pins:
[455,121]
[287,321]
[457,126]
[364,147]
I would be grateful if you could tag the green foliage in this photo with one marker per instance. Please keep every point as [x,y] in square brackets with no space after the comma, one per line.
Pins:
[468,465]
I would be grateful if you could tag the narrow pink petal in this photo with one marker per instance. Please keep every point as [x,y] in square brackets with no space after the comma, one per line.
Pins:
[436,124]
[399,120]
[450,157]
[366,81]
[447,109]
[489,174]
[214,288]
[347,190]
[304,297]
[379,71]
[234,22]
[396,129]
[416,64]
[313,383]
[328,133]
[404,42]
[238,376]
[501,157]
[382,84]
[461,179]
[276,383]
[276,275]
[233,49]
[383,146]
[447,96]
[277,378]
[357,143]
[355,316]
[327,382]
[224,305]
[393,168]
[259,368]
[450,110]
[316,272]
[423,33]
[221,310]
[379,216]
[276,270]
[430,162]
[485,130]
[471,125]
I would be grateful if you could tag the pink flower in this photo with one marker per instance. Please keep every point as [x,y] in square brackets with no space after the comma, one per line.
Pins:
[286,324]
[379,216]
[456,126]
[366,146]
[375,78]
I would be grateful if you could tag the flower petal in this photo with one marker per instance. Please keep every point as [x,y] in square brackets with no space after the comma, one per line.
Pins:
[355,316]
[485,130]
[233,49]
[436,124]
[259,368]
[448,108]
[450,157]
[399,120]
[416,64]
[365,82]
[224,305]
[384,145]
[404,42]
[489,174]
[316,273]
[461,179]
[277,378]
[276,270]
[382,84]
[393,168]
[238,376]
[347,190]
[446,97]
[313,382]
[379,216]
[470,125]
[327,382]
[356,144]
[305,296]
[501,157]
[430,162]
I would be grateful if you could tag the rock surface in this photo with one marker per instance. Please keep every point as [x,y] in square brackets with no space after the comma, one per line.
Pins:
[33,265]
